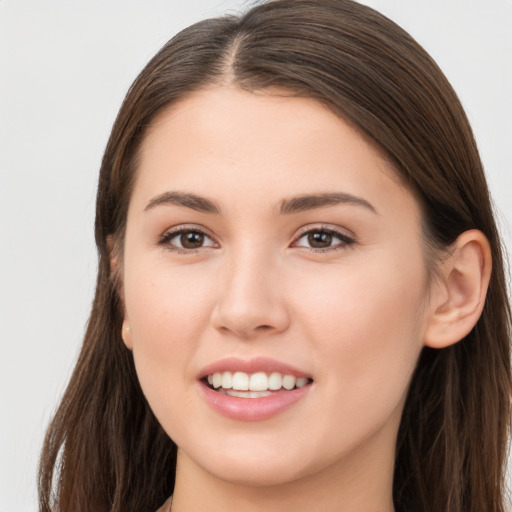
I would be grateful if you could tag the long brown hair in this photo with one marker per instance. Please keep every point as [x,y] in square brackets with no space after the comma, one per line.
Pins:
[105,451]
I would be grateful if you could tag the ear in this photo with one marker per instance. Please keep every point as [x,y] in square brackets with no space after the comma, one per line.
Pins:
[458,295]
[113,253]
[115,273]
[126,334]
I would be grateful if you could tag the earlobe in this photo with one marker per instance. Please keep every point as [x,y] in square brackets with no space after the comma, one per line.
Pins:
[458,295]
[113,251]
[126,335]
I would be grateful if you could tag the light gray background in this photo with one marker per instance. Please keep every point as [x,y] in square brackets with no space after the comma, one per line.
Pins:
[64,69]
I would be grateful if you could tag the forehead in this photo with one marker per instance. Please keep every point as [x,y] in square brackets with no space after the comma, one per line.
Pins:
[274,117]
[240,145]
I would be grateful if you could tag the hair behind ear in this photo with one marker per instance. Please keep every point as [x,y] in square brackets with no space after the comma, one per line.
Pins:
[456,419]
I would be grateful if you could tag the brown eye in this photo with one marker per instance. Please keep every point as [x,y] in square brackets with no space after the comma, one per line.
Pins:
[191,239]
[183,240]
[319,240]
[323,239]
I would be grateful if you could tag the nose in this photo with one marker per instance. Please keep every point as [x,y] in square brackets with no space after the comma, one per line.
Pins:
[251,300]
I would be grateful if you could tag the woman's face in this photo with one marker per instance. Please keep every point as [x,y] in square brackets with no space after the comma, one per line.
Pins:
[266,237]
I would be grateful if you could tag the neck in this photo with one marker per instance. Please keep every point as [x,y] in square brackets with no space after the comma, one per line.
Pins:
[361,482]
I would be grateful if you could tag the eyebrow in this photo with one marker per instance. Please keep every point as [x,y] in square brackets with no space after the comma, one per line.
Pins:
[311,201]
[286,206]
[192,201]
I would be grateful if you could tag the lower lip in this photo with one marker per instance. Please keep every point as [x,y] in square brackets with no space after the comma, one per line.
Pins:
[252,409]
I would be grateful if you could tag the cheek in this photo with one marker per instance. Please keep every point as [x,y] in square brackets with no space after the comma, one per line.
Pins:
[167,311]
[367,334]
[168,304]
[376,295]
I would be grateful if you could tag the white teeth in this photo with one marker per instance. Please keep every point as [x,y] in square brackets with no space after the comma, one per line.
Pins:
[289,382]
[256,382]
[241,381]
[227,380]
[246,394]
[275,381]
[301,382]
[217,380]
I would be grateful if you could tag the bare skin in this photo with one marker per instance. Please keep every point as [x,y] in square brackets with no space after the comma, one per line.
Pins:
[338,291]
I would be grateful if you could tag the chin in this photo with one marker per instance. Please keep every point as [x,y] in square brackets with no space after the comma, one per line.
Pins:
[256,461]
[235,471]
[253,461]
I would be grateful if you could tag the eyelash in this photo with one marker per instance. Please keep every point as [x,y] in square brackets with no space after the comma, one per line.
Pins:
[165,239]
[345,240]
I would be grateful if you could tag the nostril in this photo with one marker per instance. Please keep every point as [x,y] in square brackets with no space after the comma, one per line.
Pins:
[247,310]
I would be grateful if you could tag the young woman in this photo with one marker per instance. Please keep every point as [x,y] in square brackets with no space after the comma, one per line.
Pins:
[301,301]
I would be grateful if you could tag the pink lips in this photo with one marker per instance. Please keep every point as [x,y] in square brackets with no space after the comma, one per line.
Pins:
[251,409]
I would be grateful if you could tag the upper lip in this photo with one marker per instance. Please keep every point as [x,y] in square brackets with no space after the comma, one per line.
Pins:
[254,365]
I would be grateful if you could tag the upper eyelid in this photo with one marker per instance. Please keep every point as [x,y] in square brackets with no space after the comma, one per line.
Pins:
[345,239]
[187,227]
[328,228]
[174,231]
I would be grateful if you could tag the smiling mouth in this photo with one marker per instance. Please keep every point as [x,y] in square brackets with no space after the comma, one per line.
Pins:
[255,385]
